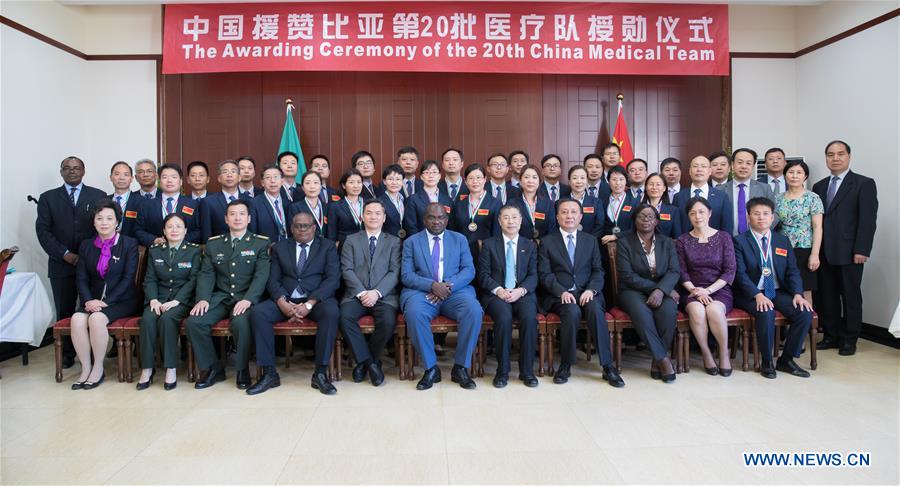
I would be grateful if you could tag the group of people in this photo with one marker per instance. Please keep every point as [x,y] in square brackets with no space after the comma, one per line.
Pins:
[508,238]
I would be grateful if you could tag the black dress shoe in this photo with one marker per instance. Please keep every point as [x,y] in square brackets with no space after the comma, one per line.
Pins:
[243,379]
[143,386]
[320,382]
[712,371]
[359,372]
[611,375]
[376,376]
[78,385]
[827,343]
[655,375]
[270,379]
[847,349]
[661,367]
[68,361]
[530,381]
[501,380]
[88,385]
[726,372]
[767,370]
[170,386]
[562,374]
[429,378]
[789,366]
[210,378]
[459,374]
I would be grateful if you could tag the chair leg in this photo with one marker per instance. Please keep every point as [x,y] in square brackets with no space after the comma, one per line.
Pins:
[399,357]
[542,349]
[338,357]
[617,348]
[120,358]
[550,346]
[129,353]
[812,343]
[192,373]
[745,348]
[677,351]
[288,350]
[57,348]
[24,352]
[686,351]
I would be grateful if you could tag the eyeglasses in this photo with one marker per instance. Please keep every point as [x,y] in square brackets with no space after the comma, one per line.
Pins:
[647,217]
[303,226]
[365,163]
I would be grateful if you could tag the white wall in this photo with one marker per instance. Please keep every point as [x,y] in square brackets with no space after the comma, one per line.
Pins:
[54,105]
[764,104]
[850,90]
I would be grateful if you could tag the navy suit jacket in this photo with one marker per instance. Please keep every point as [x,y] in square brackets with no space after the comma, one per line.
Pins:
[444,189]
[133,208]
[848,227]
[509,189]
[593,215]
[150,219]
[415,266]
[413,219]
[669,221]
[417,186]
[624,219]
[722,217]
[564,191]
[61,227]
[212,215]
[558,275]
[544,217]
[749,267]
[319,278]
[301,206]
[392,220]
[492,265]
[488,225]
[341,221]
[376,191]
[119,280]
[263,220]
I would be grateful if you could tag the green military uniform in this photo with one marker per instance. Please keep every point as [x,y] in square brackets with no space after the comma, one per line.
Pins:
[232,270]
[171,275]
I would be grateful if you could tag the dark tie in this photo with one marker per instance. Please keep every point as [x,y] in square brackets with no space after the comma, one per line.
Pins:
[553,193]
[777,184]
[742,208]
[768,281]
[640,193]
[832,190]
[172,251]
[231,198]
[246,194]
[301,259]
[372,247]
[169,207]
[697,192]
[280,213]
[436,258]
[409,188]
[592,191]
[323,196]
[119,201]
[452,191]
[72,195]
[500,193]
[148,195]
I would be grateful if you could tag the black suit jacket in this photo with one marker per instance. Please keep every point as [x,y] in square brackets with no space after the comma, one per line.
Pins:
[61,227]
[509,189]
[212,215]
[150,219]
[558,275]
[264,221]
[319,278]
[133,208]
[119,279]
[749,265]
[444,189]
[341,221]
[849,222]
[492,265]
[634,269]
[393,222]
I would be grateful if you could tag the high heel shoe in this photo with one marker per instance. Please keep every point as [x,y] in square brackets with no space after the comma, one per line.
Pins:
[712,371]
[91,385]
[143,386]
[78,385]
[726,372]
[170,386]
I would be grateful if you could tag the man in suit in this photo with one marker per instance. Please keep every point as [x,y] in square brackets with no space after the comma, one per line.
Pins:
[365,164]
[198,179]
[149,229]
[232,278]
[767,280]
[722,215]
[611,156]
[63,221]
[596,176]
[551,170]
[408,159]
[518,159]
[268,211]
[121,176]
[637,174]
[670,167]
[322,166]
[287,162]
[742,188]
[499,187]
[304,277]
[571,273]
[452,184]
[507,274]
[145,173]
[436,273]
[212,208]
[370,265]
[774,176]
[247,177]
[848,230]
[720,167]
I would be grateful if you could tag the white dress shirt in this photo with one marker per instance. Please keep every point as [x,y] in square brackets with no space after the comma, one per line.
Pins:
[759,236]
[704,191]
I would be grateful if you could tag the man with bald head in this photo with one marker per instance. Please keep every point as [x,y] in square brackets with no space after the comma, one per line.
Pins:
[722,217]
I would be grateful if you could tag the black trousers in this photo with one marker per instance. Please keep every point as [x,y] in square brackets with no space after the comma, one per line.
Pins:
[525,311]
[656,327]
[840,289]
[65,299]
[264,315]
[595,317]
[765,324]
[385,321]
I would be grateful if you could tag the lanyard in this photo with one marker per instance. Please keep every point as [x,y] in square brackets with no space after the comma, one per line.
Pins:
[357,213]
[431,197]
[473,210]
[618,208]
[279,212]
[764,250]
[531,209]
[398,204]
[317,213]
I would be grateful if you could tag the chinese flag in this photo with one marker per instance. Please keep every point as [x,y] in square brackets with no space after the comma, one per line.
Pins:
[620,138]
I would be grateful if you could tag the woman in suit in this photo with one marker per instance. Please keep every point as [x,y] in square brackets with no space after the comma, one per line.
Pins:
[475,214]
[104,277]
[413,217]
[168,292]
[594,212]
[538,212]
[619,205]
[310,202]
[654,195]
[345,215]
[648,272]
[706,259]
[393,200]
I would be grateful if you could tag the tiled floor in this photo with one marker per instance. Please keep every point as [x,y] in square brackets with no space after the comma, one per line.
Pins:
[693,431]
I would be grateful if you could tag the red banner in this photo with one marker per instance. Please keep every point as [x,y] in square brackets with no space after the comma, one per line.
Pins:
[498,37]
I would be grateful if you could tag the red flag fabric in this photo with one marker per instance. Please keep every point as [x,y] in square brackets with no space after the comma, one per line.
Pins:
[620,138]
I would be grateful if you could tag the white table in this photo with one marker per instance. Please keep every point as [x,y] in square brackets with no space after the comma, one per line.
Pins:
[26,310]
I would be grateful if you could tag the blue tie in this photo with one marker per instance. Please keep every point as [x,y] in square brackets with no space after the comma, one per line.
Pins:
[832,190]
[452,191]
[409,188]
[147,195]
[119,201]
[231,198]
[301,259]
[742,208]
[768,281]
[500,193]
[371,247]
[570,247]
[436,258]
[510,281]
[592,191]
[72,195]
[169,207]
[553,193]
[697,192]
[640,193]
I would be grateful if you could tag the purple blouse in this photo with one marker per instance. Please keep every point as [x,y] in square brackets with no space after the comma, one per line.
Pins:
[704,263]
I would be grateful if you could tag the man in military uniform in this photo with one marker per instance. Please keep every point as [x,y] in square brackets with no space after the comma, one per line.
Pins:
[232,278]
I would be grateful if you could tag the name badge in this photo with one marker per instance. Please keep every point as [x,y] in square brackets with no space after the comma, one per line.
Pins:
[626,209]
[462,197]
[131,214]
[484,212]
[185,265]
[665,217]
[248,253]
[187,210]
[538,215]
[589,210]
[447,209]
[335,198]
[780,251]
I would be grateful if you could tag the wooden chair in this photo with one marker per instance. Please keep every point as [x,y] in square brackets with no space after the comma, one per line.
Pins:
[438,324]
[115,328]
[547,327]
[780,322]
[306,327]
[367,326]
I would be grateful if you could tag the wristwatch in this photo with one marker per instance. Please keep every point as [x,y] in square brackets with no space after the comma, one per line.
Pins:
[308,306]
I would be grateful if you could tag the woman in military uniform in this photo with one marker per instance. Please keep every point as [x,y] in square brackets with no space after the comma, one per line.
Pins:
[169,292]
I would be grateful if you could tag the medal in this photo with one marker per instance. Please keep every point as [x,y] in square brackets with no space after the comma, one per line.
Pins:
[473,226]
[766,272]
[616,230]
[580,228]
[401,233]
[536,234]
[473,211]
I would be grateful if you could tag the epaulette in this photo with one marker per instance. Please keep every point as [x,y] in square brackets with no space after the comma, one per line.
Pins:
[262,237]
[215,237]
[156,245]
[192,245]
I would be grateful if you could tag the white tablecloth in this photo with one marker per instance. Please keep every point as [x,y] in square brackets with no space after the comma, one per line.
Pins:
[26,310]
